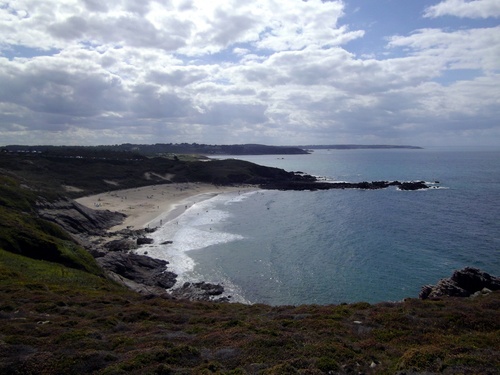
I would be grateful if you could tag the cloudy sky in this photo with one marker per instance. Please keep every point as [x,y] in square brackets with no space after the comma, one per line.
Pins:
[285,72]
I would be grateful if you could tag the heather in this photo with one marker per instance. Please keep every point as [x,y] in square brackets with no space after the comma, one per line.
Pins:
[61,320]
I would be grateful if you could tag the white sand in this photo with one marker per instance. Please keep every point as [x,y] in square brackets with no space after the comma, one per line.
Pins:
[150,204]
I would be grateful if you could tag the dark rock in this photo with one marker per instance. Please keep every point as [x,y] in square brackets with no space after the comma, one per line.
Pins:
[139,268]
[167,242]
[76,218]
[417,185]
[210,289]
[144,241]
[463,283]
[201,291]
[164,279]
[473,279]
[313,184]
[121,245]
[96,252]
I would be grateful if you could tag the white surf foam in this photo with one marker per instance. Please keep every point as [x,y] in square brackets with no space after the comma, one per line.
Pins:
[198,227]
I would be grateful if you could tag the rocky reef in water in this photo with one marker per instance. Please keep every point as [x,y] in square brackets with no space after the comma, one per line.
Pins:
[313,184]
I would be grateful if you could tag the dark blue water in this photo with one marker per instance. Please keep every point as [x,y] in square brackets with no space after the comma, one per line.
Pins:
[352,245]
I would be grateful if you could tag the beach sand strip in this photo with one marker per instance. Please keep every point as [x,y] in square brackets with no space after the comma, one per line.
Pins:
[155,204]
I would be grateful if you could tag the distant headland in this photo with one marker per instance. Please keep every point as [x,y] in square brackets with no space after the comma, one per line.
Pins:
[194,148]
[357,147]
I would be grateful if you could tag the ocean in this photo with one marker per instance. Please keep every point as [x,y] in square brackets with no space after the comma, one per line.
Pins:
[335,246]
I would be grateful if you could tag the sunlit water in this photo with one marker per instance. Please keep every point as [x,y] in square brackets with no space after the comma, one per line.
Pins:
[323,247]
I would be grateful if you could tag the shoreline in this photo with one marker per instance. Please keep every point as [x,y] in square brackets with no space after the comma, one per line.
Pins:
[155,204]
[147,210]
[192,229]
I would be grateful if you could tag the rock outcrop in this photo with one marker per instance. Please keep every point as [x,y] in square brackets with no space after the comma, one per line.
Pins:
[150,276]
[201,291]
[122,244]
[139,272]
[463,283]
[78,219]
[144,241]
[139,269]
[365,185]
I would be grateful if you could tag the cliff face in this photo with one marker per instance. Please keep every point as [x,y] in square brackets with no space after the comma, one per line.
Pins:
[88,227]
[78,219]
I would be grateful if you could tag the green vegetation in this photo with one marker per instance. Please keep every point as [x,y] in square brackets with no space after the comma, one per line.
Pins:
[160,149]
[60,315]
[75,176]
[22,232]
[59,320]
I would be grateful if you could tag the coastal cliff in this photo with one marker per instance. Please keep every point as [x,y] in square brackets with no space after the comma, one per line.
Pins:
[76,218]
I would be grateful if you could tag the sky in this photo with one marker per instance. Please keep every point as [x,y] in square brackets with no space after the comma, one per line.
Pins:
[278,72]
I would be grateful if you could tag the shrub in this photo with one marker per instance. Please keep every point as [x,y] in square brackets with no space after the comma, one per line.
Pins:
[327,364]
[425,358]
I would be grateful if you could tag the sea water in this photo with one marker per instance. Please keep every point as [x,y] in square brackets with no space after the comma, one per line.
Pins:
[328,247]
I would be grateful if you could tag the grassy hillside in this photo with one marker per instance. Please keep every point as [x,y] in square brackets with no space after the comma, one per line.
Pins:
[24,233]
[77,176]
[60,315]
[57,320]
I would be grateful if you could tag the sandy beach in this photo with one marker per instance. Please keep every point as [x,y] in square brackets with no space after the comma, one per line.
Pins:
[156,204]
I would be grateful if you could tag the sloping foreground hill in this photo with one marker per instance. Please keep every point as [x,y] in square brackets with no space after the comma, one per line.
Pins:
[57,320]
[59,314]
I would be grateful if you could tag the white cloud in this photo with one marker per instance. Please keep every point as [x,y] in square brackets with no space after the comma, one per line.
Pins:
[463,49]
[271,71]
[465,9]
